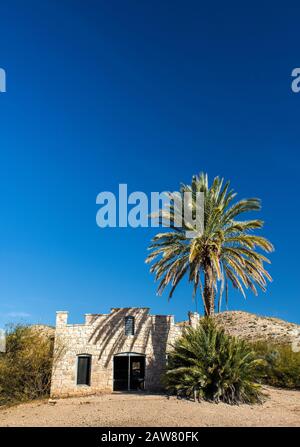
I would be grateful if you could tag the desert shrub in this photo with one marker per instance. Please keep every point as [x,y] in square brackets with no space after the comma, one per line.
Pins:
[205,363]
[25,367]
[281,367]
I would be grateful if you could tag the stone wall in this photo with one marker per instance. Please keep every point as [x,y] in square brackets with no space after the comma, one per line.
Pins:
[102,336]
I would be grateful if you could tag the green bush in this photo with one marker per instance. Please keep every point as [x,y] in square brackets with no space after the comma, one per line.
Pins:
[282,365]
[25,367]
[205,363]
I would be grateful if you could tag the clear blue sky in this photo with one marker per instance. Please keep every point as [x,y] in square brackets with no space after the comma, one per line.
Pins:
[145,93]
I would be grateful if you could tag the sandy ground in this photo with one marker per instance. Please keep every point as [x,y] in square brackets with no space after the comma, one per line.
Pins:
[281,409]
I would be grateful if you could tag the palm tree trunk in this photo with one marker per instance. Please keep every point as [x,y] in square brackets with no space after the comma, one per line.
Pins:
[209,293]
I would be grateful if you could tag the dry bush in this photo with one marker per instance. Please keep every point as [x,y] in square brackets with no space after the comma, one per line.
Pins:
[281,365]
[25,367]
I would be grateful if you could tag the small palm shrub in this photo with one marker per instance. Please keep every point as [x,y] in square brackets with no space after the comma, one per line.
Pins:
[205,363]
[281,367]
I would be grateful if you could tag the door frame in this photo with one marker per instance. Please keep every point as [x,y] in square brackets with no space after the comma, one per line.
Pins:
[129,355]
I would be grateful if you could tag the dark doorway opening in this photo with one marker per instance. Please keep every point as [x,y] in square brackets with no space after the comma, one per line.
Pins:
[129,372]
[120,373]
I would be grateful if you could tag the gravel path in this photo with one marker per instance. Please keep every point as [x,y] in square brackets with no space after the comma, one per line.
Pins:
[281,409]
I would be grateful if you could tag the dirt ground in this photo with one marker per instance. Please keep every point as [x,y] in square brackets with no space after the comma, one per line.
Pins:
[281,409]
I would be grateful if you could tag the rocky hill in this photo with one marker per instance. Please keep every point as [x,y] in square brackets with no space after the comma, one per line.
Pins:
[253,327]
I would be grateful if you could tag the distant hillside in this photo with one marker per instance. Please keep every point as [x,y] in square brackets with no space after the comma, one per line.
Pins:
[253,327]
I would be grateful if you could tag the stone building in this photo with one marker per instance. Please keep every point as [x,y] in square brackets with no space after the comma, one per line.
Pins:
[120,351]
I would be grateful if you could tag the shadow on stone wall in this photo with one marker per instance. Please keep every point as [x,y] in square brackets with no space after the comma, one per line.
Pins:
[150,337]
[113,328]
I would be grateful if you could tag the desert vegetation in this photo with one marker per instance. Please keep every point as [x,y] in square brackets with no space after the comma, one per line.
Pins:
[281,367]
[208,364]
[25,367]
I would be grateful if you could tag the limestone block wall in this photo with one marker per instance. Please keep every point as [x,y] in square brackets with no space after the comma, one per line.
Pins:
[102,336]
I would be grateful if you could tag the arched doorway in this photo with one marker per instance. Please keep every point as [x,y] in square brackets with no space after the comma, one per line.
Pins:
[129,371]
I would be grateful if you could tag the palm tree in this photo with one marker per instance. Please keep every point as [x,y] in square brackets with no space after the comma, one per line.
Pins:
[225,250]
[206,363]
